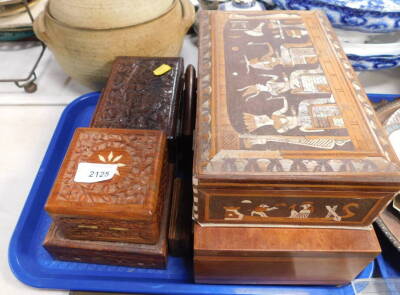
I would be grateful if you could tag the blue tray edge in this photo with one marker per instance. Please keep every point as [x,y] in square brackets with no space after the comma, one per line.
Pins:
[13,260]
[375,97]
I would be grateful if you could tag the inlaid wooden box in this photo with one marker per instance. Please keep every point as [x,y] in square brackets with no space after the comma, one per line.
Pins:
[135,98]
[285,133]
[126,208]
[313,256]
[112,253]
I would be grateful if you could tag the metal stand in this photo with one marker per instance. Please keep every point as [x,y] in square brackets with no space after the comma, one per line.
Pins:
[28,83]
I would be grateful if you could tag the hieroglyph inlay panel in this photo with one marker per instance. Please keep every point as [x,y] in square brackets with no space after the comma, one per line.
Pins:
[276,87]
[277,94]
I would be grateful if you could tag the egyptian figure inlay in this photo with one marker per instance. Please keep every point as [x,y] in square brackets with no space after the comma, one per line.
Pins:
[313,115]
[272,87]
[295,33]
[300,82]
[257,31]
[290,54]
[277,92]
[284,209]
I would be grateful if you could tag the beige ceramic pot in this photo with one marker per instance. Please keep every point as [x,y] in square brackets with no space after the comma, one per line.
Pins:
[107,14]
[87,54]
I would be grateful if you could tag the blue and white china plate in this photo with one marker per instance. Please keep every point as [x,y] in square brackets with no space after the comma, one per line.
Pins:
[368,51]
[362,15]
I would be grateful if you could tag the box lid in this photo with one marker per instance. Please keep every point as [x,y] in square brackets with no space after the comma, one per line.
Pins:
[136,98]
[278,101]
[134,191]
[280,241]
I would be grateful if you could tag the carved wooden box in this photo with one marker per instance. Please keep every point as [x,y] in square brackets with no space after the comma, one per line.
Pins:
[285,133]
[125,208]
[309,256]
[135,98]
[125,254]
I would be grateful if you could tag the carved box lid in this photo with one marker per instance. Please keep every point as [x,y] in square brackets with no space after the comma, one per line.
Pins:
[135,98]
[278,101]
[135,190]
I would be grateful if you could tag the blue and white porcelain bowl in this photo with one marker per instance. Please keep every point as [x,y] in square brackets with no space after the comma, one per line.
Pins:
[362,15]
[368,51]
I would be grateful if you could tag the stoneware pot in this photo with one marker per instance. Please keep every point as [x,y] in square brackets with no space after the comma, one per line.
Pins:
[87,54]
[107,14]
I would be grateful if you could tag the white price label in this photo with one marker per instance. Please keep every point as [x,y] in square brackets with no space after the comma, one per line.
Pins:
[94,172]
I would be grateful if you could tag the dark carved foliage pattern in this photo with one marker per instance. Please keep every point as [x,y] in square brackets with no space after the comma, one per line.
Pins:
[136,98]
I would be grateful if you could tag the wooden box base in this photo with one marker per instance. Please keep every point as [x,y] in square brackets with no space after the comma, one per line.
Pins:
[281,255]
[110,253]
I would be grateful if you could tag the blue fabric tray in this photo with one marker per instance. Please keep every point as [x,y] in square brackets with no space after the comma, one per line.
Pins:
[388,268]
[379,97]
[32,265]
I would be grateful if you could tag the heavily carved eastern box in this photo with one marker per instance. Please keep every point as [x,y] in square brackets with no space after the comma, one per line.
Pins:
[125,208]
[135,98]
[285,133]
[126,254]
[311,256]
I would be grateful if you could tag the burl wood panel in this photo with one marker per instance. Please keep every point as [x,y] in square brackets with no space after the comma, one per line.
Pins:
[125,208]
[111,253]
[281,255]
[135,98]
[280,105]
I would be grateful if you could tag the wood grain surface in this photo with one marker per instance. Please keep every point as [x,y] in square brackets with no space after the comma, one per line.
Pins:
[281,255]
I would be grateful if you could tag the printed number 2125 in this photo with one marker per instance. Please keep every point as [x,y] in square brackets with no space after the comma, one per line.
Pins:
[99,174]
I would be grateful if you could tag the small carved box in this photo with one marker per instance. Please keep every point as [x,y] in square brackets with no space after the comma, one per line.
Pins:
[136,98]
[285,133]
[300,256]
[111,253]
[126,207]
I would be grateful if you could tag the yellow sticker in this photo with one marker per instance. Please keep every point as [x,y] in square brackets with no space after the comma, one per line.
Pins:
[161,70]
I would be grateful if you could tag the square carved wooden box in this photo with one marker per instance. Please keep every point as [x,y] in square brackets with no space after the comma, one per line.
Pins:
[285,133]
[112,253]
[314,256]
[135,98]
[125,208]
